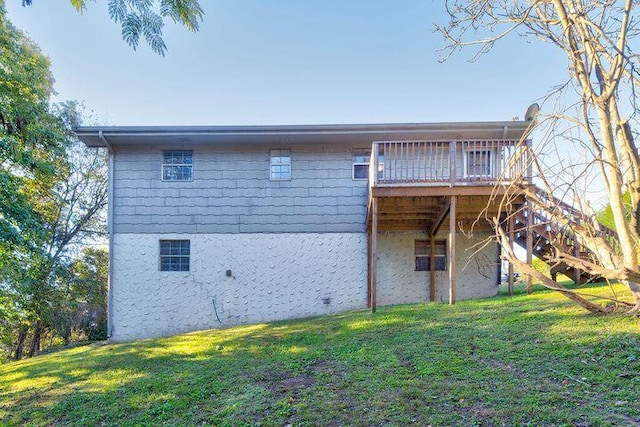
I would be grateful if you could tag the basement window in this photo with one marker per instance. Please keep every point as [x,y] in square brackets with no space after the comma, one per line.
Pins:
[423,255]
[174,255]
[177,165]
[280,165]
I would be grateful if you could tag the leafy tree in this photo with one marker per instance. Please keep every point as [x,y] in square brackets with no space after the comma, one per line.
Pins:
[43,289]
[30,134]
[605,216]
[598,120]
[81,306]
[146,18]
[52,194]
[71,212]
[30,152]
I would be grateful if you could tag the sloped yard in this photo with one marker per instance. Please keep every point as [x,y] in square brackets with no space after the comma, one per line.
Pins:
[520,360]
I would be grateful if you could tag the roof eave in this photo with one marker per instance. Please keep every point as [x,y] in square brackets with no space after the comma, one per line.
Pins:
[94,136]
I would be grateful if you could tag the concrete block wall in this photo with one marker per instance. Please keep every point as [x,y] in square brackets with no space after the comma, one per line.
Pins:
[399,283]
[273,277]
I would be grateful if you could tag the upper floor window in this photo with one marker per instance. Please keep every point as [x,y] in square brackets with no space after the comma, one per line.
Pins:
[177,165]
[280,165]
[423,255]
[174,255]
[478,163]
[361,158]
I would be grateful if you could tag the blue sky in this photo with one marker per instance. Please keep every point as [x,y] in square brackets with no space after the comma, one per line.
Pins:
[281,62]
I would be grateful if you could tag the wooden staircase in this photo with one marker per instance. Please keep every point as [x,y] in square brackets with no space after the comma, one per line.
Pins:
[548,236]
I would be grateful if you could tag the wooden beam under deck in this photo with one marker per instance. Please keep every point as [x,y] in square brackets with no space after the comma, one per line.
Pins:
[422,213]
[414,208]
[444,211]
[434,191]
[387,226]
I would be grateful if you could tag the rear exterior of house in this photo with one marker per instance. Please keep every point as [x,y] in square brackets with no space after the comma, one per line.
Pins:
[218,226]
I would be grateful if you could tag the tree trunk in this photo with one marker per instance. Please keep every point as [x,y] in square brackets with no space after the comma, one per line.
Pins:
[22,336]
[34,347]
[635,291]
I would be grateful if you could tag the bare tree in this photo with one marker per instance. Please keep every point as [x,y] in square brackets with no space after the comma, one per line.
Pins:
[593,111]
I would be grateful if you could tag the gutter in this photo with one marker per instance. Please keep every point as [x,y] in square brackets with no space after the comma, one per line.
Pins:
[110,232]
[148,133]
[224,134]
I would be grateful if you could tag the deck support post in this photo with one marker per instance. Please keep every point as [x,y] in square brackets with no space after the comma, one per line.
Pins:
[368,264]
[373,261]
[432,268]
[511,226]
[576,253]
[529,245]
[442,215]
[452,250]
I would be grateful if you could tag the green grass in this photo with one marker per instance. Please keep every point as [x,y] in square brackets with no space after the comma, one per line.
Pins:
[511,361]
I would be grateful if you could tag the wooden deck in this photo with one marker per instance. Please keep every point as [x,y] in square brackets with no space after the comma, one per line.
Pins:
[434,185]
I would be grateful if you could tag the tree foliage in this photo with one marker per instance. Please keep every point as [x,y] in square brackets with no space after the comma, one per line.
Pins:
[80,309]
[52,195]
[146,18]
[596,119]
[29,133]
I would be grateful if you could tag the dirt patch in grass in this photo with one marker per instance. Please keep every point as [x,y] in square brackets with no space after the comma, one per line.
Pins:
[281,381]
[627,420]
[485,415]
[405,361]
[502,366]
[321,365]
[290,384]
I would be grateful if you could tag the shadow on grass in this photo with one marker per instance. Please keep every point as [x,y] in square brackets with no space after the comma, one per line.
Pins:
[496,361]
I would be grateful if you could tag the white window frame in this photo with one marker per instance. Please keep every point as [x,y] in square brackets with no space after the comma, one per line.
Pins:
[427,253]
[171,256]
[276,160]
[354,163]
[182,165]
[490,157]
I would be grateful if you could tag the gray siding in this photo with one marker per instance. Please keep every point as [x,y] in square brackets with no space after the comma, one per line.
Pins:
[231,192]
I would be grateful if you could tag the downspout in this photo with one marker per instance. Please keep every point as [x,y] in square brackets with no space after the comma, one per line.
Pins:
[110,233]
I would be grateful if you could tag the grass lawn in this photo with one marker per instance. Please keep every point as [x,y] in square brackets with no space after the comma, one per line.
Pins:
[536,360]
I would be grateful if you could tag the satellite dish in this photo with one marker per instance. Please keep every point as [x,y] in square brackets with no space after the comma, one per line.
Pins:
[532,112]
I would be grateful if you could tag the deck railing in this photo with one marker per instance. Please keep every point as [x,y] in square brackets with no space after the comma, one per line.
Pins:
[449,162]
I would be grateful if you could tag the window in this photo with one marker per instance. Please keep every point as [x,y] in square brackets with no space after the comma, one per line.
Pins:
[478,163]
[174,255]
[177,165]
[361,160]
[423,255]
[280,167]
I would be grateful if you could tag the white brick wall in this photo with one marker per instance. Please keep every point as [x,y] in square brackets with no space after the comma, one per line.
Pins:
[274,276]
[399,283]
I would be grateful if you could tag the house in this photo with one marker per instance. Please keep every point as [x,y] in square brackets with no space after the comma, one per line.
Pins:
[212,226]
